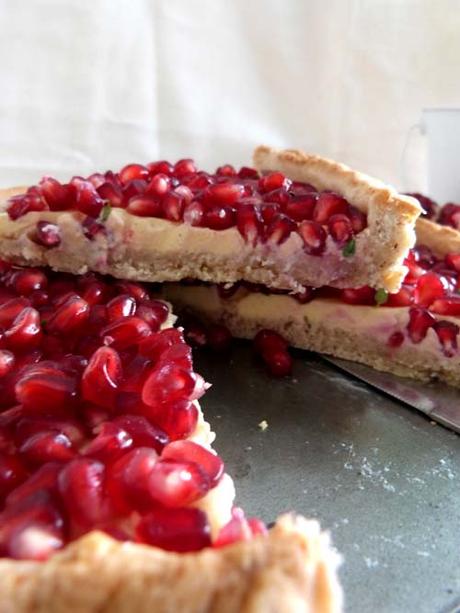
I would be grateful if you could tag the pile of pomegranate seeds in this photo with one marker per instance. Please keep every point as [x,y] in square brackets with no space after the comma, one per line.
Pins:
[96,400]
[447,215]
[264,209]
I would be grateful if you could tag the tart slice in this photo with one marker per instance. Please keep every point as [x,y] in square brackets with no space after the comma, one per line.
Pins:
[295,220]
[412,333]
[111,497]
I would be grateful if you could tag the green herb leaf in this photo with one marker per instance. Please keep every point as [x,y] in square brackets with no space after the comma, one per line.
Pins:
[381,296]
[105,212]
[349,248]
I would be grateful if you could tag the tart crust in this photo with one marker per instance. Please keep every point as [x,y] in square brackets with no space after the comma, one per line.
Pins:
[151,249]
[291,570]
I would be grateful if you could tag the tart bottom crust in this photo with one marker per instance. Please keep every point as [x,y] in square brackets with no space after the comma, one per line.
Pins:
[291,570]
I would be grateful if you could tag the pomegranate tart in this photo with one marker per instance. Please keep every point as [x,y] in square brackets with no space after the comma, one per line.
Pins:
[111,497]
[413,332]
[295,220]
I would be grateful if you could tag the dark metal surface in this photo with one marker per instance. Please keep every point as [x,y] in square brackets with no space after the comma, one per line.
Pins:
[439,401]
[379,476]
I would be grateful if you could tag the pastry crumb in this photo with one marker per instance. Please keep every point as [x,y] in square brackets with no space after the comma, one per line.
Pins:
[263,425]
[433,423]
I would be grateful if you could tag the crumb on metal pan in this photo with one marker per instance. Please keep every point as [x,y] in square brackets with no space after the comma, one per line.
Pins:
[263,425]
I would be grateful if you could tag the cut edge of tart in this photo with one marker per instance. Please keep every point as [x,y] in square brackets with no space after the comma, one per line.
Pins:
[292,569]
[413,333]
[276,229]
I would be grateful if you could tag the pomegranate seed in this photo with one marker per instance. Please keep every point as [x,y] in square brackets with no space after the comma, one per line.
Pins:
[299,189]
[28,426]
[135,290]
[359,295]
[220,217]
[128,480]
[154,345]
[44,479]
[340,228]
[173,206]
[268,211]
[358,219]
[46,234]
[449,215]
[29,280]
[177,419]
[132,189]
[58,197]
[110,192]
[179,530]
[161,167]
[395,340]
[248,173]
[101,377]
[34,541]
[236,530]
[159,308]
[6,362]
[226,171]
[277,196]
[177,484]
[195,334]
[143,433]
[12,473]
[446,306]
[329,204]
[402,298]
[81,483]
[219,337]
[20,205]
[130,172]
[257,526]
[168,383]
[188,451]
[184,167]
[92,228]
[428,288]
[279,229]
[11,309]
[272,181]
[159,185]
[314,237]
[70,316]
[447,333]
[144,206]
[249,223]
[25,332]
[279,363]
[420,321]
[121,306]
[126,332]
[111,442]
[88,200]
[223,194]
[268,340]
[300,208]
[194,213]
[452,260]
[48,446]
[44,387]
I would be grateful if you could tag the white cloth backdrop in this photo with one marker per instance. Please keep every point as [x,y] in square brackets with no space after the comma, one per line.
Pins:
[90,84]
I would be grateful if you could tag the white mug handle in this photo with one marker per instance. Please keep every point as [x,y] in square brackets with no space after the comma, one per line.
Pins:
[406,183]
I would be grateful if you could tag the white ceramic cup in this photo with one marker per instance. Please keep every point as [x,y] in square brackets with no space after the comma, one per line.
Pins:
[441,127]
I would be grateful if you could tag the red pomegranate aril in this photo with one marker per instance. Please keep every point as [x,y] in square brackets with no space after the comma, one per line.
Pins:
[88,200]
[195,334]
[248,173]
[452,260]
[340,228]
[268,211]
[159,185]
[226,171]
[161,167]
[279,363]
[279,229]
[95,293]
[219,337]
[110,192]
[38,298]
[69,316]
[92,228]
[299,189]
[180,530]
[184,167]
[358,219]
[111,442]
[145,206]
[55,194]
[121,306]
[447,333]
[133,189]
[249,223]
[446,306]
[142,432]
[44,479]
[130,172]
[360,295]
[395,340]
[268,340]
[429,287]
[25,332]
[180,355]
[30,425]
[172,206]
[300,208]
[159,308]
[128,480]
[81,485]
[45,388]
[420,321]
[34,541]
[12,474]
[178,419]
[194,213]
[277,196]
[153,346]
[402,298]
[10,309]
[101,377]
[219,217]
[126,332]
[7,360]
[313,236]
[177,484]
[236,530]
[272,181]
[188,451]
[47,446]
[329,204]
[135,290]
[46,234]
[168,383]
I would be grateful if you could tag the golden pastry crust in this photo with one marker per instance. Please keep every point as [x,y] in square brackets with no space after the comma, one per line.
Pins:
[292,570]
[151,249]
[391,216]
[440,239]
